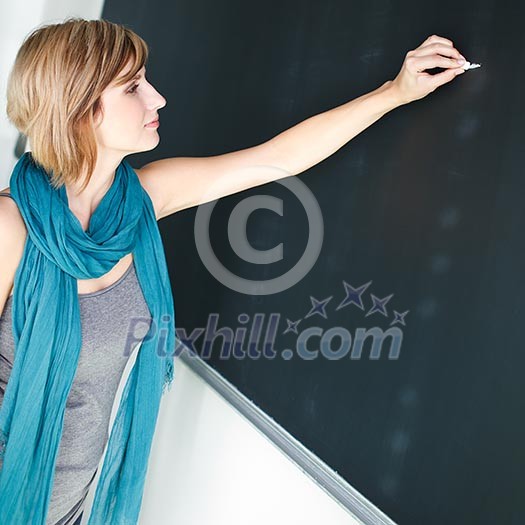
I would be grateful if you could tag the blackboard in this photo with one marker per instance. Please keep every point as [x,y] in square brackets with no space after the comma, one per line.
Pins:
[424,207]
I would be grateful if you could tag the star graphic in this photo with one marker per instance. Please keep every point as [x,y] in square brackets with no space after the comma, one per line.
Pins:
[292,326]
[399,318]
[353,295]
[379,305]
[318,307]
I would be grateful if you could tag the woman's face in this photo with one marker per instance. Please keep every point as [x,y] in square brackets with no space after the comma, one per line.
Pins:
[126,111]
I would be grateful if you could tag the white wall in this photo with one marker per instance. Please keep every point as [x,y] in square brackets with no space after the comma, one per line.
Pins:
[211,466]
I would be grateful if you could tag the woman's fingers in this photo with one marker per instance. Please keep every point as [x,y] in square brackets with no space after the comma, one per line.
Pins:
[442,78]
[437,39]
[436,48]
[419,64]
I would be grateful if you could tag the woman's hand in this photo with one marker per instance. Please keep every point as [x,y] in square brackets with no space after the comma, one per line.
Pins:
[412,83]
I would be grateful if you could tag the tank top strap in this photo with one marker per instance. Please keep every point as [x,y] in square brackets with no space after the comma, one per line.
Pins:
[6,195]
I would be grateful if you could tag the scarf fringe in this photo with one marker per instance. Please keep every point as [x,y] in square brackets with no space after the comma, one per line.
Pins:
[168,377]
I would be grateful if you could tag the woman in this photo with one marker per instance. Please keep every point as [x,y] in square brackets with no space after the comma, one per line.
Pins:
[83,256]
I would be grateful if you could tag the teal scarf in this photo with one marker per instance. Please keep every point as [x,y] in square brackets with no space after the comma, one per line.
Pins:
[47,335]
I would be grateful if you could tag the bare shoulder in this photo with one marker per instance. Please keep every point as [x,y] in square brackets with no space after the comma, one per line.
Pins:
[150,188]
[11,217]
[13,234]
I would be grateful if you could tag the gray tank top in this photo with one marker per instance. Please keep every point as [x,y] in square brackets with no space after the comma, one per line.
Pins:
[110,319]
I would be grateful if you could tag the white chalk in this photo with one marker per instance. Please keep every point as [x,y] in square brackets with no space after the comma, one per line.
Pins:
[468,65]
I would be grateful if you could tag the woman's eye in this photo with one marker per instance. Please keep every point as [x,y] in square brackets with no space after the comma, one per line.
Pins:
[133,88]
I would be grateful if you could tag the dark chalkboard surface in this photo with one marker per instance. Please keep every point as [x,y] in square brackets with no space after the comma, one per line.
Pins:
[423,210]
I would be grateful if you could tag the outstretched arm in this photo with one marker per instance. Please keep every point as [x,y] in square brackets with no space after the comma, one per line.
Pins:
[182,182]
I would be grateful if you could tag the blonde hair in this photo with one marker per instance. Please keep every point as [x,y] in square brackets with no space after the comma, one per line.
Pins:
[55,85]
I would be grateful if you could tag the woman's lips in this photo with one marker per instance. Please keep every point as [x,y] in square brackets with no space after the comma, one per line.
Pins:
[153,124]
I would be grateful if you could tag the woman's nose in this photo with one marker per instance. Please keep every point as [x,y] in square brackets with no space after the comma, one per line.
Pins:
[155,99]
[163,101]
